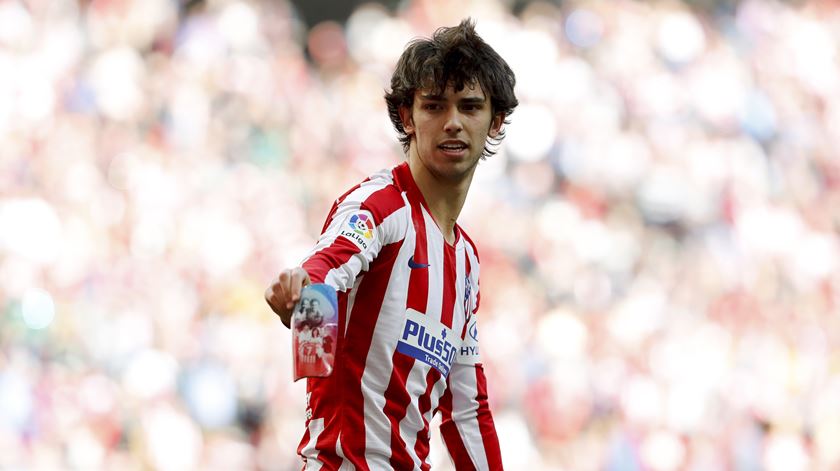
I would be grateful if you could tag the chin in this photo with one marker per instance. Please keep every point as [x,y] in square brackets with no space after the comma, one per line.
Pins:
[457,170]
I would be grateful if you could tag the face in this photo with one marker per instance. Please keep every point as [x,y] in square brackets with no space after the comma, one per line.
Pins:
[449,131]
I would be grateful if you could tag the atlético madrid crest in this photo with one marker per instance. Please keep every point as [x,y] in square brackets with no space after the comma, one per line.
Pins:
[467,296]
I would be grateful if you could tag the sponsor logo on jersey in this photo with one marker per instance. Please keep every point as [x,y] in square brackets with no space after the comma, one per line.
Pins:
[428,341]
[359,230]
[473,331]
[467,295]
[468,353]
[414,265]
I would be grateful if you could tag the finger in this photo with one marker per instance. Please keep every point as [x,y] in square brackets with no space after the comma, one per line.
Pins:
[299,279]
[275,296]
[271,298]
[286,286]
[276,293]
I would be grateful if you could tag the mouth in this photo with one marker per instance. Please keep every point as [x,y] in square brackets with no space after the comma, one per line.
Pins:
[453,148]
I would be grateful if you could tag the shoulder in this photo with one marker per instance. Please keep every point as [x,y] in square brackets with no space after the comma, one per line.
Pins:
[377,194]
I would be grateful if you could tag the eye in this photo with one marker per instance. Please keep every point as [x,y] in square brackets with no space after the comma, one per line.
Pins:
[431,106]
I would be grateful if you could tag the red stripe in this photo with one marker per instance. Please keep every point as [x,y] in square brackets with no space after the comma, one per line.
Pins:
[449,275]
[405,181]
[355,349]
[449,432]
[418,284]
[333,256]
[326,445]
[397,401]
[485,421]
[382,203]
[424,403]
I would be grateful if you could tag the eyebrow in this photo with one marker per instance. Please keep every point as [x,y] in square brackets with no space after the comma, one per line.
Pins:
[465,100]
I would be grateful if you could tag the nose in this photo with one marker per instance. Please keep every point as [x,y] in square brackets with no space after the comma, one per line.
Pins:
[453,123]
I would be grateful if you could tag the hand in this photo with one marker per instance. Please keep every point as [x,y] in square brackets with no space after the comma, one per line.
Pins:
[284,293]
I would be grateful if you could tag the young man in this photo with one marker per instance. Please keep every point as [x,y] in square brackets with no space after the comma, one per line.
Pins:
[407,275]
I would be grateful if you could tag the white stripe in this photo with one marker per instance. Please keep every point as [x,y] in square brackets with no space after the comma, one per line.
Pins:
[474,266]
[309,452]
[340,277]
[351,301]
[464,407]
[437,392]
[413,421]
[345,465]
[412,424]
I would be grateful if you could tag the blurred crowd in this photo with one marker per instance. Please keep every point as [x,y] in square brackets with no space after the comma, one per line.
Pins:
[658,232]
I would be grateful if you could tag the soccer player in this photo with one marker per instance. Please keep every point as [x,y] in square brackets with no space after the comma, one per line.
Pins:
[407,274]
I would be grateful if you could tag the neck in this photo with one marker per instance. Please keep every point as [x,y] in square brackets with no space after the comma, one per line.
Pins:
[444,196]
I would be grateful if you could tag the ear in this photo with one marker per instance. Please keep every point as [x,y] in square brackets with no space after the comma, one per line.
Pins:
[496,124]
[407,120]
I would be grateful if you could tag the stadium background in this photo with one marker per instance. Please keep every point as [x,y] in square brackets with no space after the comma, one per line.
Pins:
[659,232]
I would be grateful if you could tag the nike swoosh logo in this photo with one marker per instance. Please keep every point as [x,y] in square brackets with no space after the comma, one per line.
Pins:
[413,264]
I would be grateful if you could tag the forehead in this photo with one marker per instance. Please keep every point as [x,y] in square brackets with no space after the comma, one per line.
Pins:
[470,90]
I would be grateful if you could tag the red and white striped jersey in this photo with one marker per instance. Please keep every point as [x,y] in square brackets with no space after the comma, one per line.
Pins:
[409,343]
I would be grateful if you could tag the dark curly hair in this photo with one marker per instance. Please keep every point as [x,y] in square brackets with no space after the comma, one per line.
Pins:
[454,56]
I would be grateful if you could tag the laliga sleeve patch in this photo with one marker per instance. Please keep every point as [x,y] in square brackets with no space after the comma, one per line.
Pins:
[359,229]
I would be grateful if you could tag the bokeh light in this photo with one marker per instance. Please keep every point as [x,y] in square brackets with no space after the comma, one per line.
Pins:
[37,309]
